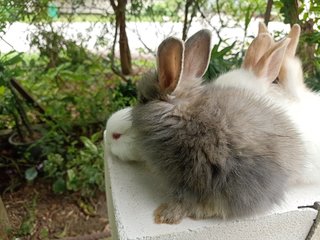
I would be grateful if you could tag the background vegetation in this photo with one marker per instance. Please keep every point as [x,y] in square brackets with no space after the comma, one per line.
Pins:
[73,89]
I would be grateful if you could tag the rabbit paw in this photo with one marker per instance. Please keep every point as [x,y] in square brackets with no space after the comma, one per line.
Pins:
[169,213]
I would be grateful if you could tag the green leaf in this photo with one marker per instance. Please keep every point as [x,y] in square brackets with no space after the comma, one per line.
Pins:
[227,49]
[2,90]
[71,174]
[89,145]
[248,17]
[31,173]
[95,137]
[13,60]
[59,186]
[72,183]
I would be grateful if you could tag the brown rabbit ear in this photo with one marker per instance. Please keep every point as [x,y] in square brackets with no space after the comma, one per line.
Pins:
[294,35]
[169,60]
[269,65]
[258,47]
[262,28]
[196,55]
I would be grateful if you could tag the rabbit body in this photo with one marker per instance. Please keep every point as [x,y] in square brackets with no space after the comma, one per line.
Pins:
[302,106]
[224,152]
[304,111]
[299,102]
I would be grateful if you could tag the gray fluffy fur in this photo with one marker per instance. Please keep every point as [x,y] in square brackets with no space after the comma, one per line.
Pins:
[224,152]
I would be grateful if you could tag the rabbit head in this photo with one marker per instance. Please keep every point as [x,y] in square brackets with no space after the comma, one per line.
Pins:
[120,136]
[180,67]
[290,81]
[223,151]
[261,65]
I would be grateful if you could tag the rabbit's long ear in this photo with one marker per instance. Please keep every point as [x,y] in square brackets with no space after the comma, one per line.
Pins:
[268,67]
[294,35]
[258,47]
[170,61]
[196,56]
[262,28]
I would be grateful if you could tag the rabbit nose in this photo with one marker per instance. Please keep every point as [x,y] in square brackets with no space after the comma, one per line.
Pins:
[116,136]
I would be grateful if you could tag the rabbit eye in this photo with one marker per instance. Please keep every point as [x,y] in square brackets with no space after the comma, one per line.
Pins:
[116,136]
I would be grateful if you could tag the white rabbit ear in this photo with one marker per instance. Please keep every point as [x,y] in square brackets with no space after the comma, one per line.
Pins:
[196,55]
[294,35]
[258,47]
[169,60]
[262,28]
[268,67]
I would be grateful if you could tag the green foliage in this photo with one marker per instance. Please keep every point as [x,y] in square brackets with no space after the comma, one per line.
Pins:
[240,10]
[156,10]
[289,11]
[123,95]
[8,68]
[31,173]
[222,61]
[28,223]
[11,106]
[75,71]
[77,169]
[77,91]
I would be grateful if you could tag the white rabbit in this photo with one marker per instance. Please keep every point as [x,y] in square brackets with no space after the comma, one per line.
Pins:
[121,137]
[290,93]
[303,104]
[261,66]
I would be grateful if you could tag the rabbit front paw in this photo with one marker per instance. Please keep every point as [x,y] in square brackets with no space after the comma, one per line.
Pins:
[169,213]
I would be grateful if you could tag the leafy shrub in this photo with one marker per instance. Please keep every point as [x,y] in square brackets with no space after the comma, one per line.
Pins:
[123,95]
[222,61]
[77,169]
[78,93]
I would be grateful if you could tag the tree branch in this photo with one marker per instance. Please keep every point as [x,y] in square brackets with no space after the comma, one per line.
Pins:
[268,12]
[217,31]
[113,4]
[186,22]
[115,71]
[316,221]
[144,44]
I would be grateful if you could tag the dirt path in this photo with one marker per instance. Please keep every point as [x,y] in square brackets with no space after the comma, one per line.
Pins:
[36,213]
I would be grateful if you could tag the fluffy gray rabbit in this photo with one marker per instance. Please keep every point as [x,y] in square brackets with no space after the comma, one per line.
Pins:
[224,152]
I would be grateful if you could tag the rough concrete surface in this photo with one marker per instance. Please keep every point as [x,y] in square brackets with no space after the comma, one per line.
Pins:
[133,193]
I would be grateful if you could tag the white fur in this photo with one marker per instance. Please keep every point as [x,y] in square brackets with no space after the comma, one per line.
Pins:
[242,79]
[301,105]
[123,147]
[305,113]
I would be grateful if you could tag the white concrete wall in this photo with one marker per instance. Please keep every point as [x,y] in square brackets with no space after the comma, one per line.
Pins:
[133,193]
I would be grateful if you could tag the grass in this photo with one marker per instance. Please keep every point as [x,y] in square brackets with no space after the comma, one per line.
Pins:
[29,221]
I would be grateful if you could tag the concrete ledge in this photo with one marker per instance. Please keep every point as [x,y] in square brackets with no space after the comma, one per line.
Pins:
[133,193]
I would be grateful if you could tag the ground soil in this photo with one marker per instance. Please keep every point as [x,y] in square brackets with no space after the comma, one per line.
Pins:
[35,212]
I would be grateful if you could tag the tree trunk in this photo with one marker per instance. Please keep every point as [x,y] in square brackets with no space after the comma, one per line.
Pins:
[4,221]
[186,22]
[294,12]
[268,12]
[306,51]
[125,55]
